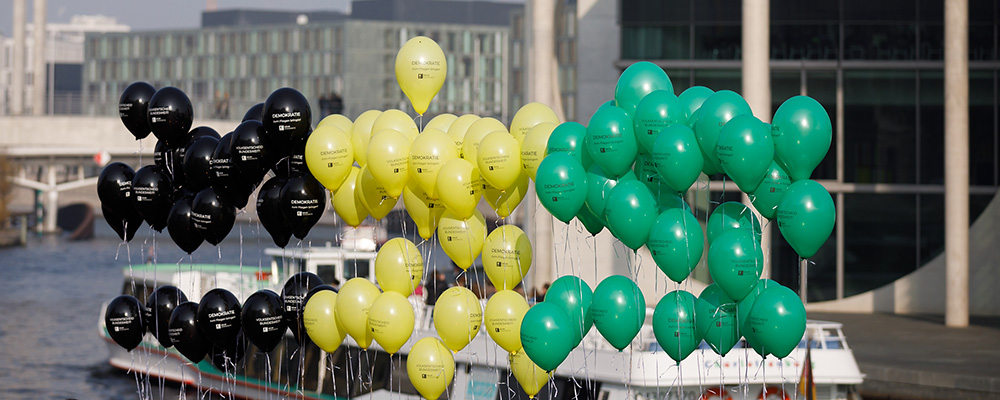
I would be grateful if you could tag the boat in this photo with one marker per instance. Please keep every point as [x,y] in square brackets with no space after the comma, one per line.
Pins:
[593,371]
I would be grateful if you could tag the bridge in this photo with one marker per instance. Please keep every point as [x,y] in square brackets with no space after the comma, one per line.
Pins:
[55,154]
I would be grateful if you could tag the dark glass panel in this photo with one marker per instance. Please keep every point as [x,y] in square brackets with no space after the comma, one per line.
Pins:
[983,144]
[879,239]
[717,42]
[880,120]
[656,42]
[715,11]
[880,41]
[931,127]
[810,42]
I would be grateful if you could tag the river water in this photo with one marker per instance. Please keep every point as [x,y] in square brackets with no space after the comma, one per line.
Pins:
[51,292]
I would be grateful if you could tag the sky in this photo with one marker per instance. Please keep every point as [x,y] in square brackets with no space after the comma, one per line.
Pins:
[155,15]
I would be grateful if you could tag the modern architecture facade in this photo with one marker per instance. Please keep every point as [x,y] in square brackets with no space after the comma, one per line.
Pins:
[240,56]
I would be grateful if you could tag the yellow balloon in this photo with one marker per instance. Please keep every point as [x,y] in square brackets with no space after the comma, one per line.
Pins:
[399,266]
[346,204]
[475,134]
[329,155]
[425,211]
[420,71]
[389,160]
[534,146]
[506,256]
[430,367]
[339,121]
[391,320]
[361,134]
[431,149]
[320,321]
[372,195]
[459,186]
[441,122]
[531,377]
[504,313]
[353,302]
[396,120]
[499,159]
[457,317]
[459,128]
[505,201]
[528,116]
[462,238]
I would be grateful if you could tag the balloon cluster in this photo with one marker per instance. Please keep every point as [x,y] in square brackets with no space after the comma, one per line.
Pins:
[199,179]
[628,170]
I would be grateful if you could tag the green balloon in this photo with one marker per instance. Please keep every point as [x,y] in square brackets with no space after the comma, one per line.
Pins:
[693,97]
[568,137]
[618,310]
[673,324]
[561,185]
[610,140]
[715,112]
[745,151]
[715,318]
[735,262]
[676,243]
[806,216]
[743,314]
[574,296]
[546,334]
[778,320]
[592,223]
[802,134]
[599,186]
[767,196]
[732,215]
[677,157]
[657,111]
[637,81]
[630,212]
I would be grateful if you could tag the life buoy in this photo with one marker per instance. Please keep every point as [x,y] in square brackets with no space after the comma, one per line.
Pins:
[715,393]
[773,393]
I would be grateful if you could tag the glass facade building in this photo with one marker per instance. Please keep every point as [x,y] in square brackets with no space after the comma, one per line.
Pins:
[877,68]
[238,66]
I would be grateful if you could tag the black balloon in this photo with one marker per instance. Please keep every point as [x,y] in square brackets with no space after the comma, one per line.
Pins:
[198,162]
[132,107]
[159,307]
[254,113]
[287,114]
[184,332]
[269,211]
[293,164]
[213,215]
[114,186]
[180,152]
[225,358]
[224,176]
[293,296]
[123,319]
[125,224]
[263,320]
[170,115]
[152,194]
[251,153]
[302,202]
[180,225]
[219,317]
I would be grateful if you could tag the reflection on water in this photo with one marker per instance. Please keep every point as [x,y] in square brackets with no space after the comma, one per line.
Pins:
[50,295]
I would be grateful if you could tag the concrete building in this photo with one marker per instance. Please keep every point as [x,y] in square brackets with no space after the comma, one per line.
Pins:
[239,56]
[63,60]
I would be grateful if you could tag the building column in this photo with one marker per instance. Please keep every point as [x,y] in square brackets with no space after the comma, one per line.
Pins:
[17,74]
[756,71]
[956,161]
[541,60]
[51,200]
[39,73]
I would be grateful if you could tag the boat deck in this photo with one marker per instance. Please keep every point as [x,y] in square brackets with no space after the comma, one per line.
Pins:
[917,357]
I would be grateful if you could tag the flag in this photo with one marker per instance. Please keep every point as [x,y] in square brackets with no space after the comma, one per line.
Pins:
[807,386]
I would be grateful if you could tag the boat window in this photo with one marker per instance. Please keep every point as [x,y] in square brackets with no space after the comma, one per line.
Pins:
[327,272]
[356,268]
